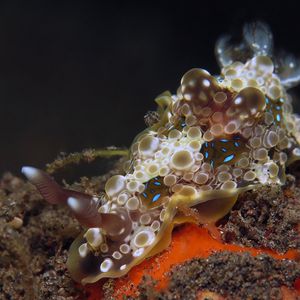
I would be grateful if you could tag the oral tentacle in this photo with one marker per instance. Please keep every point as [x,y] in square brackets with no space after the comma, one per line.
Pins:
[47,187]
[83,206]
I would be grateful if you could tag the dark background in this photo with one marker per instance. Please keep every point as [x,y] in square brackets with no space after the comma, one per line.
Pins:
[83,74]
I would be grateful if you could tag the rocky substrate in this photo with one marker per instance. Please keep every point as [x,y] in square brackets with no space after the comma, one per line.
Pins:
[229,275]
[35,237]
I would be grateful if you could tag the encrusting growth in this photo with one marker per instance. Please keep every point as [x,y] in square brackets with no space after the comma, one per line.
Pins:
[217,137]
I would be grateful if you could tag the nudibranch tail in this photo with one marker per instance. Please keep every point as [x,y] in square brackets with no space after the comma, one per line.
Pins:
[258,41]
[216,138]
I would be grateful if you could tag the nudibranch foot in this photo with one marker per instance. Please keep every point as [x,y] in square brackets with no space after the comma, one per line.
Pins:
[216,138]
[211,211]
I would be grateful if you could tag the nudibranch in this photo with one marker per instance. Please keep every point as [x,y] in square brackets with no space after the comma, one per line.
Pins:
[217,137]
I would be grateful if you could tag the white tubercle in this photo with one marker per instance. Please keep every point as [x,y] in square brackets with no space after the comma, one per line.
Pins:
[106,265]
[94,237]
[83,250]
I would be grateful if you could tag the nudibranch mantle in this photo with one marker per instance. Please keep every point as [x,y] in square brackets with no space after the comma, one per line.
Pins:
[217,137]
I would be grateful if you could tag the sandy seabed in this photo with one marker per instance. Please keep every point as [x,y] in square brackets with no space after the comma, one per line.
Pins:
[35,237]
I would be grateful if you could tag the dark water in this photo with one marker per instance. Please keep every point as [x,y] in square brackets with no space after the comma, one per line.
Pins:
[82,74]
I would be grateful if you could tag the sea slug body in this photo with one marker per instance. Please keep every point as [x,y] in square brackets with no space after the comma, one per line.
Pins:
[217,137]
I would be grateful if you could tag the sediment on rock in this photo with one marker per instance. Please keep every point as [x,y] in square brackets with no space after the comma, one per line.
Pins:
[234,276]
[267,218]
[35,237]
